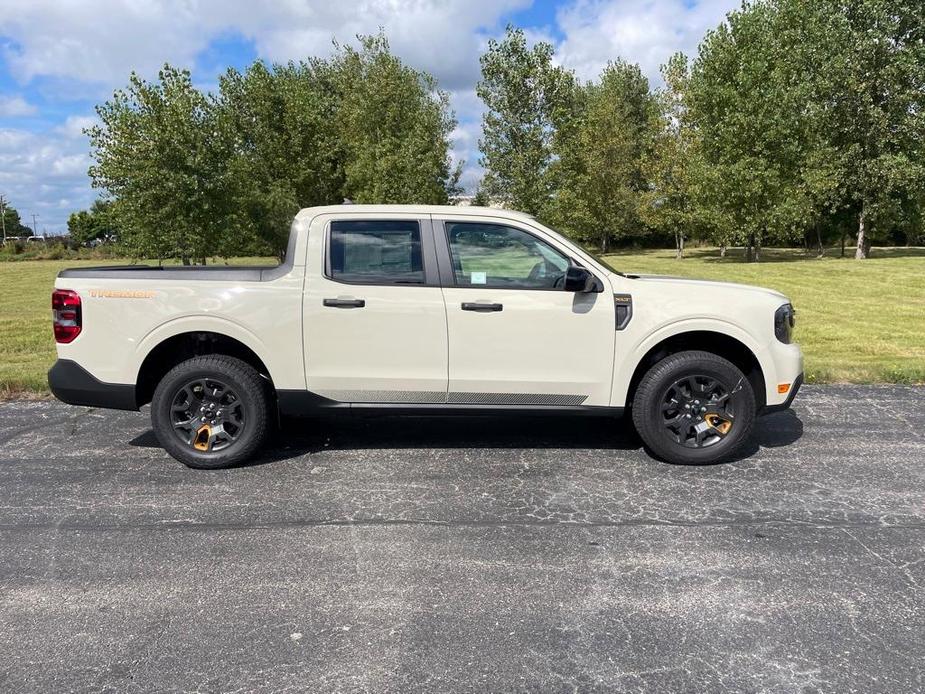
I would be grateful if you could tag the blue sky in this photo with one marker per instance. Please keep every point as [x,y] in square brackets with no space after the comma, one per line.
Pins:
[58,59]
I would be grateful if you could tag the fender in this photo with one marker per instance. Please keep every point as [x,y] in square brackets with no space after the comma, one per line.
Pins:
[623,370]
[214,324]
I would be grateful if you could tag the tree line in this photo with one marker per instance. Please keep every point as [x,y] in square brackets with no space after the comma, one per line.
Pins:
[189,174]
[795,122]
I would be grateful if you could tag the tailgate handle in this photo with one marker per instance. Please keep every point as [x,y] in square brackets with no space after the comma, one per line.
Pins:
[344,303]
[481,308]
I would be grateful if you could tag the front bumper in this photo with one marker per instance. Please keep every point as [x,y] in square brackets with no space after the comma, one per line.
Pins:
[794,389]
[73,384]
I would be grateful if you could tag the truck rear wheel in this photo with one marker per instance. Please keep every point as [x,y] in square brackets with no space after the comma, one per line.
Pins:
[694,408]
[211,412]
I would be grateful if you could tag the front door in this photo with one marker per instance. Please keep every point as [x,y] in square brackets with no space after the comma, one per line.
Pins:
[375,322]
[516,337]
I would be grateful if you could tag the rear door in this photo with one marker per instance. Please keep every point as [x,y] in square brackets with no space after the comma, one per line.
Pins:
[375,320]
[516,337]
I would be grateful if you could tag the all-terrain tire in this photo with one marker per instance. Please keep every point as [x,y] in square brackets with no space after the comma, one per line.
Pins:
[251,405]
[662,398]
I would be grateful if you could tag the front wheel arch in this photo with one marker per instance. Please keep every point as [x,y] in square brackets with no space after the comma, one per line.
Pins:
[717,343]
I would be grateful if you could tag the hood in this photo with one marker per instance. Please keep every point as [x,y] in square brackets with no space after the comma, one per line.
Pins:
[694,284]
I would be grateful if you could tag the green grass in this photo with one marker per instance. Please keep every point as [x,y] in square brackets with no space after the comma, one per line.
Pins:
[857,322]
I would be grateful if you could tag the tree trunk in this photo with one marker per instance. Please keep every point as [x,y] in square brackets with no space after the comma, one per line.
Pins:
[750,248]
[819,240]
[185,260]
[863,249]
[604,244]
[758,250]
[679,245]
[722,250]
[842,243]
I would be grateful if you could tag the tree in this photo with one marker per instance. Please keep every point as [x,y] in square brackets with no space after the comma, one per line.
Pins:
[158,153]
[12,224]
[481,199]
[600,153]
[673,201]
[95,224]
[807,109]
[394,126]
[522,90]
[284,153]
[871,99]
[193,175]
[751,137]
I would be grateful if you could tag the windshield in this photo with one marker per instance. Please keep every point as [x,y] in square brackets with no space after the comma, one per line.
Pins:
[601,261]
[589,252]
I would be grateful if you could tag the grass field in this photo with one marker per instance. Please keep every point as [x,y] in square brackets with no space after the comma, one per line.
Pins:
[857,322]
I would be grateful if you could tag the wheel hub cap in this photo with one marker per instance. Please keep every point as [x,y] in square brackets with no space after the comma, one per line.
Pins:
[207,415]
[696,411]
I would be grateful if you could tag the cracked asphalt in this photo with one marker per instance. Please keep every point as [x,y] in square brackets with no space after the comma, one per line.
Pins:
[478,554]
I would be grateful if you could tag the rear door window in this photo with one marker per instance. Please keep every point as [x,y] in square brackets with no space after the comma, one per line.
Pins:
[375,252]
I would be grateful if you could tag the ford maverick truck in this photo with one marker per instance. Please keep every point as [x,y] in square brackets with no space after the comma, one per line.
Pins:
[421,309]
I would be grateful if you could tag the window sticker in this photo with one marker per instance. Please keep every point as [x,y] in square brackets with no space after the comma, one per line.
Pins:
[478,278]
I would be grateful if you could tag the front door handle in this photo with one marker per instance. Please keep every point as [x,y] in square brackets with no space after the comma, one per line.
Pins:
[344,303]
[481,308]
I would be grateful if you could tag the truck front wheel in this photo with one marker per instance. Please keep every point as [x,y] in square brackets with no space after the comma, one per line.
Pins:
[211,412]
[694,408]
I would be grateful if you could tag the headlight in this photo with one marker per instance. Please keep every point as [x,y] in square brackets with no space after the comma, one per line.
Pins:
[783,323]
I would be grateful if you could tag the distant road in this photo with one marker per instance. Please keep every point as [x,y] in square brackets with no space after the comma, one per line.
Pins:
[421,555]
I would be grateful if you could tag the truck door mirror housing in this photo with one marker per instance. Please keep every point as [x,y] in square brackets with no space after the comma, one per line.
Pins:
[578,279]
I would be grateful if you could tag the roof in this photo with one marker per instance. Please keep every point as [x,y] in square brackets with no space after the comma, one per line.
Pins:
[418,209]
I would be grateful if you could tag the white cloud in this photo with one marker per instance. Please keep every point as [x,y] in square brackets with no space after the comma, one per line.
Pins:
[98,42]
[647,32]
[45,174]
[101,40]
[89,47]
[13,106]
[74,126]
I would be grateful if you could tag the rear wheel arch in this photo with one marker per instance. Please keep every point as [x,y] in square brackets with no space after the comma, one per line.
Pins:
[183,346]
[720,344]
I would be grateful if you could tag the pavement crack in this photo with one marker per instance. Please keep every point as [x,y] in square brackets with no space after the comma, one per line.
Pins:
[902,571]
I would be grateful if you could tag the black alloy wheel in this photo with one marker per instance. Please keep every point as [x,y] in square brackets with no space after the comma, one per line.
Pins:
[694,408]
[698,411]
[211,411]
[207,415]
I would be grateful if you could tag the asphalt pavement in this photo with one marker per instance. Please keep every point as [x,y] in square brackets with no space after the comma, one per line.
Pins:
[482,554]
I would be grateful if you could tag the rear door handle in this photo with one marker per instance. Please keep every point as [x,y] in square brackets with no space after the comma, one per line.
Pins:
[481,308]
[344,303]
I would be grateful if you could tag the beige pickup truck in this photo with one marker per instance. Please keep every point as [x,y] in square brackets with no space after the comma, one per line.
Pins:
[421,309]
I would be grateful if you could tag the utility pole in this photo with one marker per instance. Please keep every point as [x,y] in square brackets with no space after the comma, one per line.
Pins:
[35,231]
[3,217]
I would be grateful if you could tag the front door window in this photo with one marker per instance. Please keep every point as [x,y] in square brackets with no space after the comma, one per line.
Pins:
[501,257]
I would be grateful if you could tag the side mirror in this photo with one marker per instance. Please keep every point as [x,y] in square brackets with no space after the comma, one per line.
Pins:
[577,279]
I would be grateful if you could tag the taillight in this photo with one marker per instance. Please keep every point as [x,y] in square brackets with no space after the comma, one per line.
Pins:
[65,307]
